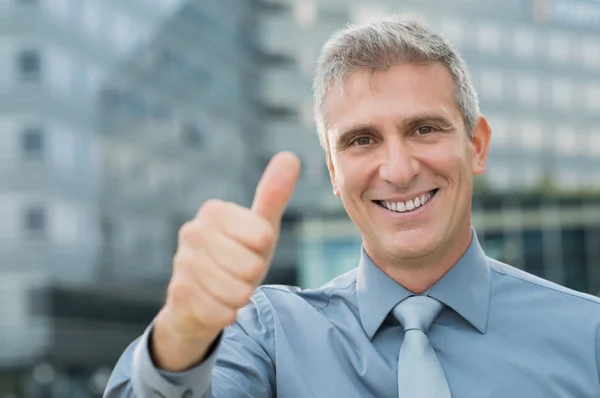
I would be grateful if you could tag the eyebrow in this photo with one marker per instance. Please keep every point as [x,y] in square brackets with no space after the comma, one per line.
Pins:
[409,123]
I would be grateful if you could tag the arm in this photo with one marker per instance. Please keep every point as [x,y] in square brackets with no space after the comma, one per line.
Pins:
[223,254]
[597,352]
[239,366]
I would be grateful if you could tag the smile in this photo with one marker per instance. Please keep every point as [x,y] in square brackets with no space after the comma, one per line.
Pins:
[408,206]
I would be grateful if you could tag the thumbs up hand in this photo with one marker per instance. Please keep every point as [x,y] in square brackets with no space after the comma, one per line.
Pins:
[223,254]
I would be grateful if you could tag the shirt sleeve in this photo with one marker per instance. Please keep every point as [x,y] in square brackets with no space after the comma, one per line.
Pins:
[597,347]
[240,365]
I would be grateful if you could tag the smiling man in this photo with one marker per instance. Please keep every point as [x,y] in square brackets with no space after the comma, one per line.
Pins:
[426,314]
[402,158]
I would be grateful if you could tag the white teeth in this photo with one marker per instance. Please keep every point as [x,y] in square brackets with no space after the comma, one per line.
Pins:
[408,205]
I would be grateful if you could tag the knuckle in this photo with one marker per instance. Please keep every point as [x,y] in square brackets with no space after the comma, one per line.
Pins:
[265,235]
[242,295]
[188,231]
[228,316]
[186,319]
[214,316]
[179,292]
[254,268]
[180,259]
[211,206]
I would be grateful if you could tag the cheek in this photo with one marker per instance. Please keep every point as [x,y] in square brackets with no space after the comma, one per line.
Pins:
[352,175]
[448,159]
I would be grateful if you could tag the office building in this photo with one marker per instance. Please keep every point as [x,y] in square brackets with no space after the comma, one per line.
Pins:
[115,119]
[535,65]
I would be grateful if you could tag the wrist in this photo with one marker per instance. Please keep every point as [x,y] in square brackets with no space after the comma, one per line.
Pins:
[173,352]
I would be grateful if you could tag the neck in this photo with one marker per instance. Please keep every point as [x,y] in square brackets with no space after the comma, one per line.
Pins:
[419,274]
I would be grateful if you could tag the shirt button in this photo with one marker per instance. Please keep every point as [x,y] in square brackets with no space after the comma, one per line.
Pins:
[187,394]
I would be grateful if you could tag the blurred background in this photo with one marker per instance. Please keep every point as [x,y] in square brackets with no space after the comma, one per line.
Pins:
[118,118]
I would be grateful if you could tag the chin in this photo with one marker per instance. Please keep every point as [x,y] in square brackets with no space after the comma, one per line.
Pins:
[413,244]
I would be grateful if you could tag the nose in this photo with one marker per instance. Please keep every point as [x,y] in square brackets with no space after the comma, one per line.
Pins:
[399,166]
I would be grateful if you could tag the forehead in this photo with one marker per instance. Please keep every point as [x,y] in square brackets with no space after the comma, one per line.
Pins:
[392,95]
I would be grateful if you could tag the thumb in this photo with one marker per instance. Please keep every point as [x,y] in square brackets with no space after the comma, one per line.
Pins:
[276,186]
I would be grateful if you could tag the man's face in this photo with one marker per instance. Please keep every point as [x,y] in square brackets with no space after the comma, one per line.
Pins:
[401,160]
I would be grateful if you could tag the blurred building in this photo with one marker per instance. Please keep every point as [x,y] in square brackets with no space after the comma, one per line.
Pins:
[536,66]
[536,69]
[109,111]
[183,120]
[552,236]
[119,118]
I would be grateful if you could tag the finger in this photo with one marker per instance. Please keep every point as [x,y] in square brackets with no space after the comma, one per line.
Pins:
[276,187]
[234,221]
[211,313]
[215,279]
[193,308]
[237,260]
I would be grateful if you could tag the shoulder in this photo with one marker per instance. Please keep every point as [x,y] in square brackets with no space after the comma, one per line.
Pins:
[519,281]
[293,296]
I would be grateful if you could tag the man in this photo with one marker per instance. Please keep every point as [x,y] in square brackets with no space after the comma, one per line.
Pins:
[425,314]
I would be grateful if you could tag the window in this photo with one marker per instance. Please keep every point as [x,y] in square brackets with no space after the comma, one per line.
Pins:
[307,113]
[590,52]
[29,65]
[314,169]
[491,85]
[489,37]
[499,130]
[527,90]
[107,231]
[305,13]
[93,17]
[594,143]
[533,255]
[191,135]
[558,48]
[524,43]
[574,254]
[568,179]
[361,13]
[532,135]
[566,140]
[64,150]
[562,93]
[35,222]
[306,60]
[32,143]
[499,176]
[531,175]
[592,97]
[125,33]
[60,69]
[453,31]
[58,8]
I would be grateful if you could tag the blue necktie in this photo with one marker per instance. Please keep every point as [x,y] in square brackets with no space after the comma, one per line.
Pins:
[420,374]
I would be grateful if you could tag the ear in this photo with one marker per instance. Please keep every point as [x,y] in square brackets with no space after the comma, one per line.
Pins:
[482,135]
[331,168]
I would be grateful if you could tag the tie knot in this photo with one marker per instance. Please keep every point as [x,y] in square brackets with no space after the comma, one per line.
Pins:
[417,312]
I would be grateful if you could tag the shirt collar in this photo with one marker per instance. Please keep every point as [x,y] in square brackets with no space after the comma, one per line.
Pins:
[465,288]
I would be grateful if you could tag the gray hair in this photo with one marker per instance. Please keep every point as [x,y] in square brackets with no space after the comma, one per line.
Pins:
[380,44]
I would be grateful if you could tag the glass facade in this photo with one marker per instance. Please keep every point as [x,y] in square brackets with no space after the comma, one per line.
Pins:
[115,118]
[564,251]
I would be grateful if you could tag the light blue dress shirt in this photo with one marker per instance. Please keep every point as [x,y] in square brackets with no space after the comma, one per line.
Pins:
[503,334]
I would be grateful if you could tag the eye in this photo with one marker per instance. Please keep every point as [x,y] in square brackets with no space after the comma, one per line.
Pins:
[425,130]
[362,141]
